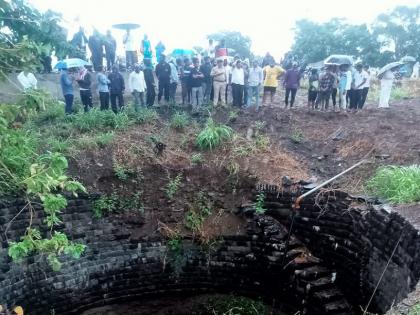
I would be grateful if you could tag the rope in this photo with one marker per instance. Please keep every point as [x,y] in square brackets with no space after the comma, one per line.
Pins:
[383,273]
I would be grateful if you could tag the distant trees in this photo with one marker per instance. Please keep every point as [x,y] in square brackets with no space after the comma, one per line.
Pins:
[234,40]
[389,38]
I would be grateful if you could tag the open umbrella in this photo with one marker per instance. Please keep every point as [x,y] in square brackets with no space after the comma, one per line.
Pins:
[71,63]
[337,60]
[390,66]
[126,26]
[179,52]
[408,59]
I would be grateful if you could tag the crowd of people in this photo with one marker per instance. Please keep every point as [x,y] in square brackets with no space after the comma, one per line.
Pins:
[205,79]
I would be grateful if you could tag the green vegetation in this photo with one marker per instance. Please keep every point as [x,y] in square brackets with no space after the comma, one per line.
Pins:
[297,136]
[213,135]
[107,204]
[414,310]
[397,184]
[231,305]
[173,185]
[195,217]
[179,121]
[399,93]
[233,115]
[260,204]
[197,159]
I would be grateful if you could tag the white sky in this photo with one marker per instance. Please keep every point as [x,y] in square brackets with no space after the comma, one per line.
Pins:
[185,23]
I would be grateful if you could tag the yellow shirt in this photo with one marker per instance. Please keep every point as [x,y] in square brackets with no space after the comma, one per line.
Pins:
[271,75]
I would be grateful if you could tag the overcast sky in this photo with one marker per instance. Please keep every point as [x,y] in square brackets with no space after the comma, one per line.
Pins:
[185,23]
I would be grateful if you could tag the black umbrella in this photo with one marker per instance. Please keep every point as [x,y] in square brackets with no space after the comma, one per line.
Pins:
[126,26]
[337,60]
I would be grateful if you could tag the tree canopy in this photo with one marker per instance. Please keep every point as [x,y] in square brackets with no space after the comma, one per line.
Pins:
[235,40]
[389,38]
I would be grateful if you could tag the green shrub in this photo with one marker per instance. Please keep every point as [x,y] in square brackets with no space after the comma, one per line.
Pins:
[179,121]
[231,305]
[173,185]
[297,137]
[397,184]
[97,120]
[399,93]
[143,116]
[213,135]
[260,204]
[197,159]
[105,139]
[105,204]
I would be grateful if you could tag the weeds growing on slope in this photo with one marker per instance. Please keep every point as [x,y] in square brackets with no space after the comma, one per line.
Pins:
[397,184]
[213,135]
[179,121]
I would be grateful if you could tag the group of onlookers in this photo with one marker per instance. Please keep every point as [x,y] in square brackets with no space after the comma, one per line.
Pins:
[352,87]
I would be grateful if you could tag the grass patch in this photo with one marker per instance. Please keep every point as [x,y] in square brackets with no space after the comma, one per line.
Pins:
[396,184]
[197,159]
[297,137]
[231,305]
[213,135]
[179,121]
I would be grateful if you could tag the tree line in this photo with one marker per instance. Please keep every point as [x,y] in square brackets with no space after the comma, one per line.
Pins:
[391,36]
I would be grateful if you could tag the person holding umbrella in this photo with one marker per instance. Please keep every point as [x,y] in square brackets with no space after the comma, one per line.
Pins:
[116,89]
[130,50]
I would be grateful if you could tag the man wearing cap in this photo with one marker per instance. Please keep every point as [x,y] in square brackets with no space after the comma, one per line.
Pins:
[218,73]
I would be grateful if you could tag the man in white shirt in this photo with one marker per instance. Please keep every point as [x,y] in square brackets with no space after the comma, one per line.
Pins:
[137,86]
[238,82]
[130,50]
[27,80]
[228,70]
[366,86]
[357,86]
[255,80]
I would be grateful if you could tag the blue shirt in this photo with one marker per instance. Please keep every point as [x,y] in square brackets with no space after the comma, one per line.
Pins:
[66,83]
[103,82]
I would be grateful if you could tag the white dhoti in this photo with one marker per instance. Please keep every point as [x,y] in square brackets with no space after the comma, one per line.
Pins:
[386,87]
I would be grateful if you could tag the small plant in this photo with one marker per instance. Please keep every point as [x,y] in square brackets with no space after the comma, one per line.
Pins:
[143,116]
[260,204]
[414,310]
[132,202]
[213,135]
[259,125]
[233,115]
[195,217]
[231,305]
[397,184]
[173,186]
[175,244]
[121,171]
[262,142]
[197,159]
[179,121]
[105,204]
[297,137]
[105,139]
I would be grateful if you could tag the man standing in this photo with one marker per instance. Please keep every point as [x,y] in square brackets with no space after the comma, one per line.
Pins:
[160,49]
[174,81]
[267,60]
[356,94]
[205,69]
[95,46]
[254,81]
[218,74]
[163,73]
[150,82]
[313,88]
[366,86]
[291,83]
[110,48]
[238,82]
[387,80]
[344,85]
[228,70]
[66,82]
[103,89]
[326,82]
[130,50]
[185,82]
[116,87]
[146,48]
[137,86]
[196,81]
[271,76]
[80,41]
[85,82]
